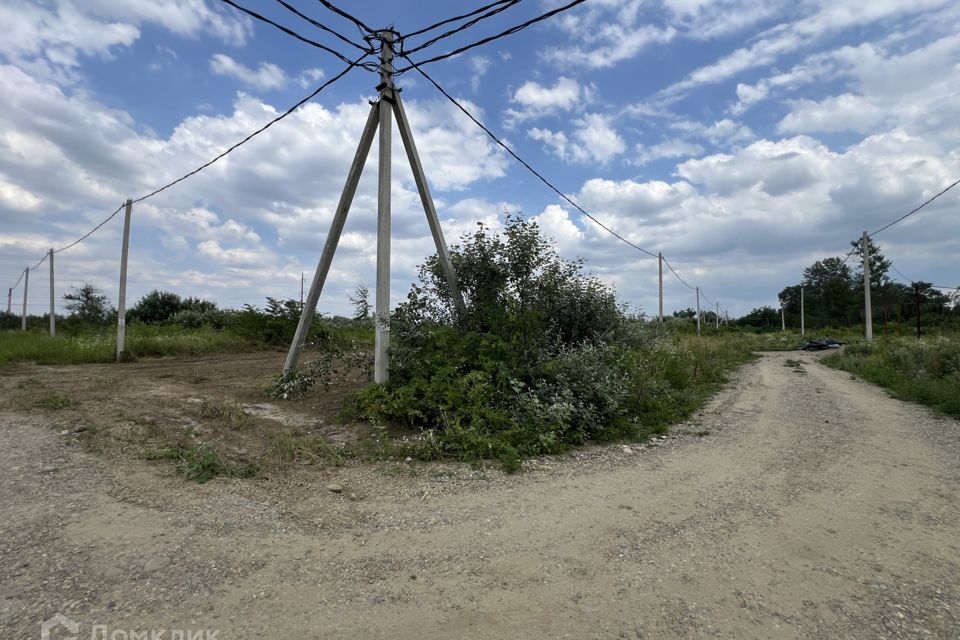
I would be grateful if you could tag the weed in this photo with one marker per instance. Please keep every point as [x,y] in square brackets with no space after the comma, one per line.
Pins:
[702,433]
[234,416]
[52,401]
[287,449]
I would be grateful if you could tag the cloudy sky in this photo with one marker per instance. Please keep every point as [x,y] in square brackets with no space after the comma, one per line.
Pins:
[744,139]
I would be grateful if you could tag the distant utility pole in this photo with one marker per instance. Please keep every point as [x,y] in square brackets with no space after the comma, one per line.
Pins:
[783,319]
[867,309]
[803,328]
[26,285]
[698,310]
[9,299]
[122,297]
[53,315]
[718,316]
[388,104]
[660,277]
[301,289]
[916,302]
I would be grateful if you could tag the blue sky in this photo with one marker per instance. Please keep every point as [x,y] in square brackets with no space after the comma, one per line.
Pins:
[744,139]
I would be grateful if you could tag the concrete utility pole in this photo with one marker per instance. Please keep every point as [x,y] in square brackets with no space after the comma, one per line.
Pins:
[698,310]
[783,319]
[867,309]
[916,301]
[26,285]
[382,313]
[9,298]
[660,277]
[53,315]
[122,297]
[803,328]
[718,316]
[378,120]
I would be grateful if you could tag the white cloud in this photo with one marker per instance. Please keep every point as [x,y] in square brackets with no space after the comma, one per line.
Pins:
[479,65]
[845,112]
[672,148]
[594,140]
[722,132]
[266,76]
[310,77]
[535,100]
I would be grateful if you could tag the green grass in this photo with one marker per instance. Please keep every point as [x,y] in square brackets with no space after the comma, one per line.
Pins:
[143,341]
[927,372]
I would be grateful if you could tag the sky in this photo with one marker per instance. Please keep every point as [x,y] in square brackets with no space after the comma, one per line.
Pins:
[743,139]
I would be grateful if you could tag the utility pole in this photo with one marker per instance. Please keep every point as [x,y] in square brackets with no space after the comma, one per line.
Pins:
[53,315]
[698,310]
[301,289]
[718,316]
[867,309]
[382,313]
[660,277]
[122,297]
[26,285]
[916,301]
[9,298]
[378,120]
[803,328]
[783,319]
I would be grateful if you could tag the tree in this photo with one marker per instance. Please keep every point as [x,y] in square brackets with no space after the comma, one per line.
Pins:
[762,317]
[879,265]
[88,304]
[360,299]
[156,306]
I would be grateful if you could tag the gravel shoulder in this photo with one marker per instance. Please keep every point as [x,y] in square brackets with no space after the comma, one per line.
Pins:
[801,503]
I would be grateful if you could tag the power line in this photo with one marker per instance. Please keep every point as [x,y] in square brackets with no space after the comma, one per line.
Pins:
[462,27]
[488,39]
[907,215]
[673,271]
[324,27]
[17,283]
[900,274]
[288,31]
[90,233]
[437,25]
[525,164]
[283,115]
[344,14]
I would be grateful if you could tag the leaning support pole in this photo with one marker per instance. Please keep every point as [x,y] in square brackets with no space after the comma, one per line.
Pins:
[381,363]
[698,310]
[53,315]
[660,281]
[26,285]
[406,136]
[867,309]
[122,297]
[333,238]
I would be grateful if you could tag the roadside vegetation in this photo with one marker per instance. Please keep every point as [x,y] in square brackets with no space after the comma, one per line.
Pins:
[927,372]
[542,358]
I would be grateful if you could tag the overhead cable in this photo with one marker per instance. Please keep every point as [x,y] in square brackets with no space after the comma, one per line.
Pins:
[462,27]
[907,215]
[90,233]
[323,27]
[526,164]
[673,271]
[488,39]
[283,115]
[287,30]
[437,25]
[340,12]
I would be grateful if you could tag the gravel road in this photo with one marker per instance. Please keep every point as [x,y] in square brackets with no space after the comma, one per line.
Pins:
[800,504]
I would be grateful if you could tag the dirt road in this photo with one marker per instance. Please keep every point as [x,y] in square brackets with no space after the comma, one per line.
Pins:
[814,507]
